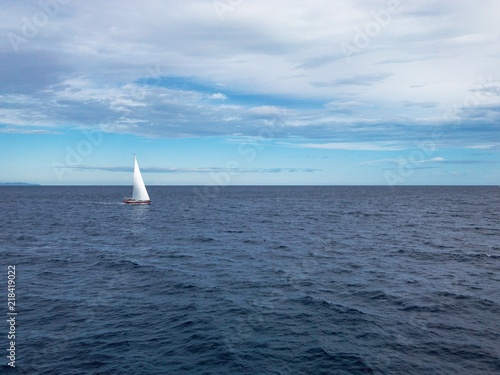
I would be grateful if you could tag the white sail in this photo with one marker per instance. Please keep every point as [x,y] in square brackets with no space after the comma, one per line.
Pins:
[140,193]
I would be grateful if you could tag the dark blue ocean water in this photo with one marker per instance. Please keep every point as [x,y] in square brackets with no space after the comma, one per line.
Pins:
[254,280]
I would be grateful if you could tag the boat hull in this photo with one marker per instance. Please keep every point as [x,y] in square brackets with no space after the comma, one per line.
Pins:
[133,201]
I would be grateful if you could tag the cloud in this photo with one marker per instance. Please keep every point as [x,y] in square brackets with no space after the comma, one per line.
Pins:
[30,71]
[354,146]
[267,111]
[408,103]
[482,147]
[412,167]
[26,131]
[436,160]
[488,90]
[467,162]
[403,161]
[358,80]
[196,170]
[218,96]
[175,69]
[316,62]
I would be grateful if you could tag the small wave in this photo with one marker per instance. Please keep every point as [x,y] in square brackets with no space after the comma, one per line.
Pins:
[277,247]
[203,239]
[26,238]
[121,264]
[49,275]
[418,308]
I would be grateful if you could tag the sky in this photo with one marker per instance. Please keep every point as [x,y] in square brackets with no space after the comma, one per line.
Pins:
[250,92]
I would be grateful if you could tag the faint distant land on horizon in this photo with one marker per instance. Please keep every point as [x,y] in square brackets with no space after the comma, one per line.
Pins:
[18,184]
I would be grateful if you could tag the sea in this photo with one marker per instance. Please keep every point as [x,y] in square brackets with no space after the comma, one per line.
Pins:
[252,280]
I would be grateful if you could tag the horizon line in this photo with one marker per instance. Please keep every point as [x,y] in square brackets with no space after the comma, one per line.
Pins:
[248,185]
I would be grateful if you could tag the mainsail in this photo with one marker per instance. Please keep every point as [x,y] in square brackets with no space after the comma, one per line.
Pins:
[140,193]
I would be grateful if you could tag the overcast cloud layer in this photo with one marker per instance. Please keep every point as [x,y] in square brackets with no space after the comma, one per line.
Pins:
[368,75]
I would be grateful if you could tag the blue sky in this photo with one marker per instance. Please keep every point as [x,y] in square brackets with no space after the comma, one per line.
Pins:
[250,92]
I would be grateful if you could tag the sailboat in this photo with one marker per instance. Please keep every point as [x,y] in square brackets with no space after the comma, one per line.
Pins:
[139,194]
